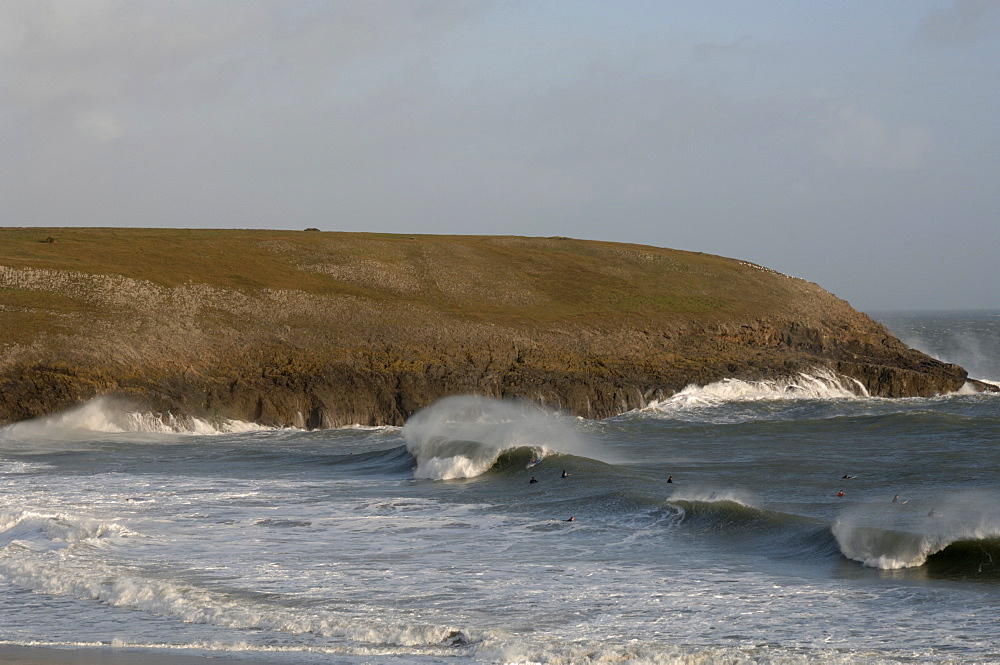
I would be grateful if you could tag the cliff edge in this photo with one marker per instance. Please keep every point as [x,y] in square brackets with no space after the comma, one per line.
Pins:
[314,329]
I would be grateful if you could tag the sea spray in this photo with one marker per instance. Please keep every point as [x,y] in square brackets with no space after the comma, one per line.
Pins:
[968,339]
[820,384]
[898,536]
[464,436]
[304,547]
[732,401]
[111,416]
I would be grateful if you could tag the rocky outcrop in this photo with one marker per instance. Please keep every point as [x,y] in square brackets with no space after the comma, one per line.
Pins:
[384,325]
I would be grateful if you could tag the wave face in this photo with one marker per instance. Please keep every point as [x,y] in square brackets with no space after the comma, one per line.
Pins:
[960,537]
[465,436]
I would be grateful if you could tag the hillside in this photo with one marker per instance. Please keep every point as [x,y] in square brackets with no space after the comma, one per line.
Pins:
[317,329]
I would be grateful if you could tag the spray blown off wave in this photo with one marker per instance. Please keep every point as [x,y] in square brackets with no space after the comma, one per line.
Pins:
[960,537]
[464,436]
[973,556]
[110,416]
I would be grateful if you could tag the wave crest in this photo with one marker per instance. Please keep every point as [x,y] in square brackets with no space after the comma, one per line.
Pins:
[820,384]
[36,531]
[964,531]
[464,436]
[112,416]
[886,549]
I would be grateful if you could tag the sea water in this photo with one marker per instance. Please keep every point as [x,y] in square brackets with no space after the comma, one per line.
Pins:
[705,528]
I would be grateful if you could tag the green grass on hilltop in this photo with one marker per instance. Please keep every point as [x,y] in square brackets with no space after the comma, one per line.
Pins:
[525,281]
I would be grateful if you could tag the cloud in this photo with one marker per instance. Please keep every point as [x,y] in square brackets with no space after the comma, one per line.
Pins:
[854,138]
[99,125]
[964,22]
[62,59]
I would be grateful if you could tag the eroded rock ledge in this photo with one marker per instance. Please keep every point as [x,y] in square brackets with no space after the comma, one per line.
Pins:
[322,330]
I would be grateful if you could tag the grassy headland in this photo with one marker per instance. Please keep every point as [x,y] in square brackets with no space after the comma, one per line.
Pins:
[320,329]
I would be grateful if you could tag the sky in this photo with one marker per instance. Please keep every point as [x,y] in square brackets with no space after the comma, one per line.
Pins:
[855,144]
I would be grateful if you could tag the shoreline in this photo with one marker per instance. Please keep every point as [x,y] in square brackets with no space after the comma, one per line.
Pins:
[12,654]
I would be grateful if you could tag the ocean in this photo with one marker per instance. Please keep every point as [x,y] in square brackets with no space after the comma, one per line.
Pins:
[784,522]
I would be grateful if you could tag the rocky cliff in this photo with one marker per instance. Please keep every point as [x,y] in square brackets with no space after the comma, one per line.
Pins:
[319,330]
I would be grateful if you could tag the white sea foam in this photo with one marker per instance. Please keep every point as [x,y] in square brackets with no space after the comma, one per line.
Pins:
[111,416]
[889,541]
[821,384]
[712,496]
[464,436]
[15,467]
[886,549]
[38,531]
[192,603]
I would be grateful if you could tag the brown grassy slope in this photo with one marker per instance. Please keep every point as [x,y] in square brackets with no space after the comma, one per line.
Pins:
[499,278]
[322,329]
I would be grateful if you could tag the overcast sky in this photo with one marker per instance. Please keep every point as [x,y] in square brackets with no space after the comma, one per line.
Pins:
[853,143]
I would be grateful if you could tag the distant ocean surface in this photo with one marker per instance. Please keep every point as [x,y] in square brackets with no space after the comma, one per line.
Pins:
[706,528]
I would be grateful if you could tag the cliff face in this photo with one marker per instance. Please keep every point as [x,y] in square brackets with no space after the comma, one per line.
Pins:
[322,329]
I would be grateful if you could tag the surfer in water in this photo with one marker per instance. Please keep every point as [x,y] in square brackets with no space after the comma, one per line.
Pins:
[670,479]
[840,493]
[533,480]
[572,519]
[564,474]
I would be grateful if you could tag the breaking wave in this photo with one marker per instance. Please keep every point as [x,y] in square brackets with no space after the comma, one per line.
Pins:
[973,555]
[28,538]
[821,384]
[960,538]
[464,436]
[819,394]
[111,416]
[38,532]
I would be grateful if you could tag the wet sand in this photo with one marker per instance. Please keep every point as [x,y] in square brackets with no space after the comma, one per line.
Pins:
[18,655]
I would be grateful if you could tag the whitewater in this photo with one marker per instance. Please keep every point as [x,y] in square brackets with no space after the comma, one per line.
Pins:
[794,521]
